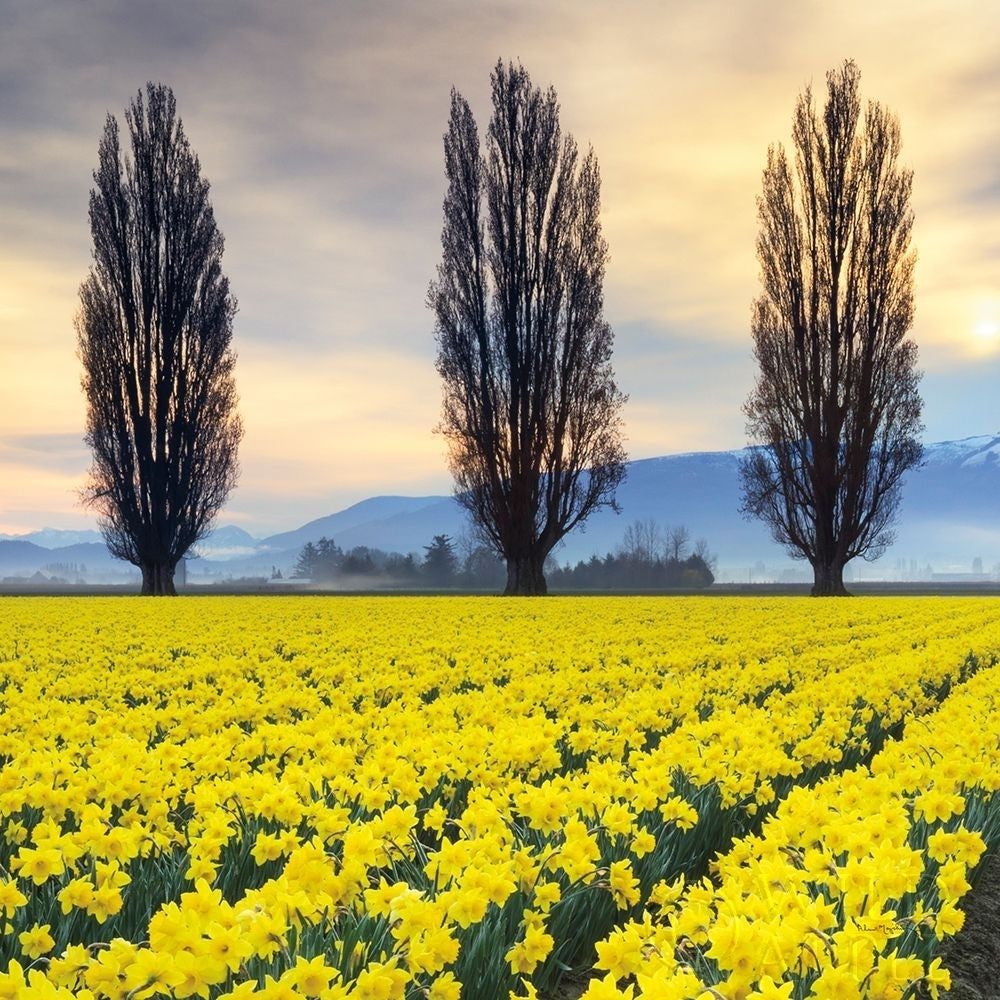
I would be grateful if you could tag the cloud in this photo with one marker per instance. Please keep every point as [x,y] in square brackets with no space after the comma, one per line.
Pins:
[320,125]
[50,449]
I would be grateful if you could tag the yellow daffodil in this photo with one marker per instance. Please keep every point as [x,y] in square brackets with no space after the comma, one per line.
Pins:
[36,940]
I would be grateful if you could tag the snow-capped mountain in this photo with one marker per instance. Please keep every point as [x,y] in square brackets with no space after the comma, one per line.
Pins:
[227,542]
[54,538]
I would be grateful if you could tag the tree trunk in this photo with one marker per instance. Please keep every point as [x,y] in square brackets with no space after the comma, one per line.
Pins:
[525,577]
[828,580]
[158,580]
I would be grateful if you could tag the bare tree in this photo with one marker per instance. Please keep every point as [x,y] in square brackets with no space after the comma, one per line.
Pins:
[155,332]
[531,411]
[678,540]
[835,412]
[643,540]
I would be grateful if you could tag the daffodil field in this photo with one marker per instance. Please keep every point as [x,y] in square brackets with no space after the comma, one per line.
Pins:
[396,798]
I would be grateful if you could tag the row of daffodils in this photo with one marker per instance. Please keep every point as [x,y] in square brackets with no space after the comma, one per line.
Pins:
[396,798]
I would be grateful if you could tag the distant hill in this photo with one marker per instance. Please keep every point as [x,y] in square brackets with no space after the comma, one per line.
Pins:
[375,517]
[54,538]
[86,561]
[227,542]
[950,517]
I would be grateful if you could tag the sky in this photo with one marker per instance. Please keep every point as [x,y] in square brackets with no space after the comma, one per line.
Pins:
[319,127]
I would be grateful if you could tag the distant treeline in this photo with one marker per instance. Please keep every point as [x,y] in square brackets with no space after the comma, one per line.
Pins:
[648,559]
[441,567]
[626,572]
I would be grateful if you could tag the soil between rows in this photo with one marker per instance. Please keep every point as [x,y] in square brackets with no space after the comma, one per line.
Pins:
[973,955]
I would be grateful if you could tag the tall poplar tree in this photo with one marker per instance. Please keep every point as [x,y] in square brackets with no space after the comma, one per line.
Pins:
[155,339]
[835,412]
[531,411]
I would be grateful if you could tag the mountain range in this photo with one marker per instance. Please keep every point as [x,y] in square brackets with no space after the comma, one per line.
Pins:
[949,523]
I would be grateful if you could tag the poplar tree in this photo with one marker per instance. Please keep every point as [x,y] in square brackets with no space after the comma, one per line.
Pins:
[531,411]
[834,417]
[155,340]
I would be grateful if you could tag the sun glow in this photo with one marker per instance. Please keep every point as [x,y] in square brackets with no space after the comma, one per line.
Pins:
[984,330]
